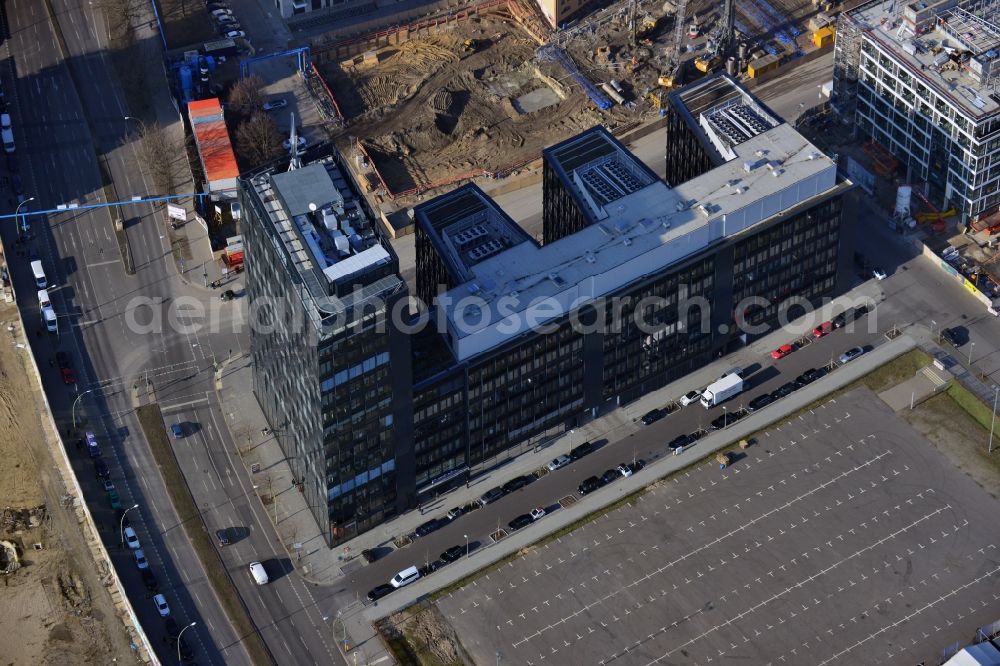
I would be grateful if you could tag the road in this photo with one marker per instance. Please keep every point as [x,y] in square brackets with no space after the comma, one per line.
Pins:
[75,105]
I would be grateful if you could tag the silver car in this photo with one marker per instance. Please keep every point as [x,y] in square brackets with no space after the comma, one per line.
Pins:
[851,354]
[559,463]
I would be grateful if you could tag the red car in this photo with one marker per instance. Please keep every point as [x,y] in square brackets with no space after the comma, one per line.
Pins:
[782,352]
[67,376]
[822,329]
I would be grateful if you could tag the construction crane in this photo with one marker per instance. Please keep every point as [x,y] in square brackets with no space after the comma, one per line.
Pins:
[675,67]
[719,40]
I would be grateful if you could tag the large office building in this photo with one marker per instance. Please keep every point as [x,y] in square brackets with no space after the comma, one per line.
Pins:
[921,80]
[636,284]
[331,374]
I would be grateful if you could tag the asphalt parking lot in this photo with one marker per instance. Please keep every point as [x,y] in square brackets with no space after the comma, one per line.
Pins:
[840,537]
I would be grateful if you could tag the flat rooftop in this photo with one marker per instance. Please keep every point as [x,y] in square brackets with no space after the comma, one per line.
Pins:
[957,54]
[644,231]
[327,235]
[466,227]
[597,171]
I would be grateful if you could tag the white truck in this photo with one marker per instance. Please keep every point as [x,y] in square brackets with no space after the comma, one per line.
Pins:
[721,390]
[39,273]
[50,319]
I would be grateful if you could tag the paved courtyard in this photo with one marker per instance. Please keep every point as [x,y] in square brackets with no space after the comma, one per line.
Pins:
[841,537]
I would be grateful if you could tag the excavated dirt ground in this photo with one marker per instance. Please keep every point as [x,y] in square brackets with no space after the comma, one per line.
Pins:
[429,110]
[53,609]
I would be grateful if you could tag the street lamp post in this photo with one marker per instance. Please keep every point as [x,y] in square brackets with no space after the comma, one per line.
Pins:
[993,422]
[17,212]
[971,346]
[121,524]
[179,640]
[466,544]
[74,406]
[934,330]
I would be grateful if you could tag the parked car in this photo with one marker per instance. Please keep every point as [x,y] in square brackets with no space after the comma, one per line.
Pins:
[809,376]
[228,295]
[140,559]
[840,321]
[101,469]
[782,352]
[822,329]
[785,389]
[430,526]
[453,553]
[149,580]
[177,430]
[609,476]
[160,602]
[223,537]
[521,521]
[725,420]
[537,513]
[67,376]
[559,463]
[173,630]
[114,499]
[108,486]
[584,449]
[878,274]
[63,360]
[517,483]
[851,354]
[131,538]
[589,485]
[222,11]
[953,336]
[457,512]
[679,442]
[625,470]
[760,402]
[689,397]
[273,104]
[405,577]
[380,591]
[491,495]
[652,416]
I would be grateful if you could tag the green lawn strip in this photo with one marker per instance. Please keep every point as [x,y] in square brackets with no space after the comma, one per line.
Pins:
[972,405]
[151,421]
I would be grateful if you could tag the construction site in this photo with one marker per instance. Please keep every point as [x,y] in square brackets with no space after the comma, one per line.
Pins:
[479,92]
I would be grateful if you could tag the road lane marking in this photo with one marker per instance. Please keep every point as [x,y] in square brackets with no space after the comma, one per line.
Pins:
[182,405]
[102,263]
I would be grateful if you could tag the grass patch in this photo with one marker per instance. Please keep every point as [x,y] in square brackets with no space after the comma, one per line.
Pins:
[897,370]
[151,421]
[972,405]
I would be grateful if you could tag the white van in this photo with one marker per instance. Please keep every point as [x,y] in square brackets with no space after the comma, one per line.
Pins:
[258,573]
[8,140]
[39,273]
[5,121]
[405,577]
[50,319]
[43,299]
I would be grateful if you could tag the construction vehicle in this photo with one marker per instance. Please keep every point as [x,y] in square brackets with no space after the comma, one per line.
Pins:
[707,63]
[719,40]
[646,27]
[724,460]
[673,76]
[674,73]
[470,45]
[934,217]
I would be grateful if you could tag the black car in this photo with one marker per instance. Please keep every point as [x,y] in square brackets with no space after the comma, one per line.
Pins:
[760,401]
[228,295]
[784,389]
[379,591]
[652,416]
[223,536]
[517,483]
[17,185]
[171,626]
[727,419]
[63,359]
[521,521]
[492,495]
[609,476]
[861,311]
[809,376]
[149,580]
[589,485]
[953,336]
[187,654]
[580,451]
[101,469]
[840,321]
[453,553]
[12,164]
[430,526]
[679,441]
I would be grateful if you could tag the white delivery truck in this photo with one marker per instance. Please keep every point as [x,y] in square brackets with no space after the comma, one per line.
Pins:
[51,322]
[721,390]
[43,299]
[39,273]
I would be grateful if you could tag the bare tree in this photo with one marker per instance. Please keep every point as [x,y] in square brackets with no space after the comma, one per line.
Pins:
[258,140]
[159,155]
[123,14]
[246,95]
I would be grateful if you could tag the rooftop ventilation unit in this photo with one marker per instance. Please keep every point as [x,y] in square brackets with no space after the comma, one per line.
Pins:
[590,257]
[559,282]
[627,241]
[487,249]
[750,165]
[704,210]
[473,288]
[466,236]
